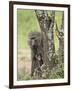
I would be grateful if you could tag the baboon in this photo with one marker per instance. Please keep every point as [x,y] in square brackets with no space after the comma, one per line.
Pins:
[35,43]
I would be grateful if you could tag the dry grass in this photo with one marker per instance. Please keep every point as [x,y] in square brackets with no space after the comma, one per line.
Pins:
[24,61]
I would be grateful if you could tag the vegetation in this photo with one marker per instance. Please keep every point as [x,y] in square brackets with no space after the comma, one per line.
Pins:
[28,22]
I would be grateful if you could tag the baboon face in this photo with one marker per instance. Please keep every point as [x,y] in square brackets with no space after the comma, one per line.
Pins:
[34,39]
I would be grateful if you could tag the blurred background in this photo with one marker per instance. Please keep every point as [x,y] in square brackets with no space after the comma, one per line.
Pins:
[27,22]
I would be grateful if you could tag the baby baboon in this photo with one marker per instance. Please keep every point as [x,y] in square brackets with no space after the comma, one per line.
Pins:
[35,43]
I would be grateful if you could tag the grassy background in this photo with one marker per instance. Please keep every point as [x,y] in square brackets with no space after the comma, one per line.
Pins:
[27,22]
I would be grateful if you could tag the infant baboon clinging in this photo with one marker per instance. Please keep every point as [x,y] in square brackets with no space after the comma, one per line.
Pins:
[35,43]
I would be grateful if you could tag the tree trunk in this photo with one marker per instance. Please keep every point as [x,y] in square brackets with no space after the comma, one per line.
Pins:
[46,24]
[60,35]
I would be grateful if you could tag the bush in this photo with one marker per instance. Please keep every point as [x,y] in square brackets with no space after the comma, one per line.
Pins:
[57,70]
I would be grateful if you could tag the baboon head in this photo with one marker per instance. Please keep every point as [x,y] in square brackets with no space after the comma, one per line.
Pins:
[34,39]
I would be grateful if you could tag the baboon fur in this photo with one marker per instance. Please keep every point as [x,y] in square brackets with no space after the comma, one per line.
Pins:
[35,43]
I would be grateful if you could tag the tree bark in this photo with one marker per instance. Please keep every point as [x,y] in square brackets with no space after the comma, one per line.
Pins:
[46,24]
[60,35]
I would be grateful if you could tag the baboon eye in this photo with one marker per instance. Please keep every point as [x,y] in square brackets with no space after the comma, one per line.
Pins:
[32,38]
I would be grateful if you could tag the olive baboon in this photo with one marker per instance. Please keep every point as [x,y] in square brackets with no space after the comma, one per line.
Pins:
[35,43]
